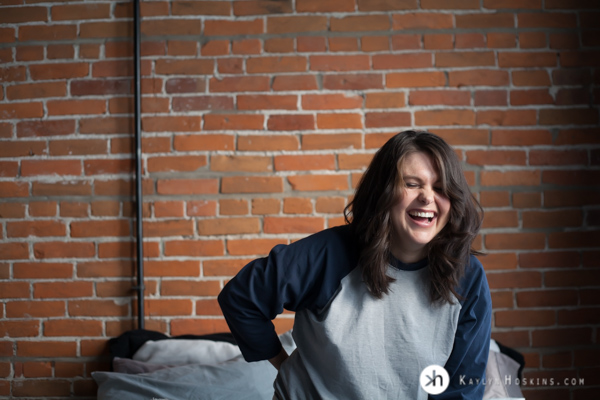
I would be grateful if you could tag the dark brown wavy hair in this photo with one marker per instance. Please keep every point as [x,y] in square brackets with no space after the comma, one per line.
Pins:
[369,213]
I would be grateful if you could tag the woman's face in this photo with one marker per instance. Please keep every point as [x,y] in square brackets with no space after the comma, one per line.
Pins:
[421,211]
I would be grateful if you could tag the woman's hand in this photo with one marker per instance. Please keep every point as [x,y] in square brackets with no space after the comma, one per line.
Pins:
[279,359]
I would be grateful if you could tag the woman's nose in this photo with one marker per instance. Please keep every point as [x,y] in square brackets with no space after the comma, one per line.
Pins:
[426,195]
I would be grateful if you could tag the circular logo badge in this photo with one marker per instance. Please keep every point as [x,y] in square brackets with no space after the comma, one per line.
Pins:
[434,379]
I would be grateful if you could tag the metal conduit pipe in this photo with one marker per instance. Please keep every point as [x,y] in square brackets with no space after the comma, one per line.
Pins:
[138,164]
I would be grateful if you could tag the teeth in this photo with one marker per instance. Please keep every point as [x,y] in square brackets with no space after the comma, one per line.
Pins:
[421,214]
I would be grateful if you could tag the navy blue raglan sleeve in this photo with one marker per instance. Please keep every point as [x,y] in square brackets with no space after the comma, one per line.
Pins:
[467,362]
[292,277]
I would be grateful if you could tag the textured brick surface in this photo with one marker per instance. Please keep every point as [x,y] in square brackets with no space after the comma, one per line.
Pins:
[256,136]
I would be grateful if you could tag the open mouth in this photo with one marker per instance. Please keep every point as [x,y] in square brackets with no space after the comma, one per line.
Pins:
[422,216]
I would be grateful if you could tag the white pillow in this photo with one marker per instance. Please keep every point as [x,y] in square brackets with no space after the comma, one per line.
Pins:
[184,351]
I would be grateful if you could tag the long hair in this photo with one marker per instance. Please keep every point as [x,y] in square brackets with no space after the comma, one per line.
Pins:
[369,214]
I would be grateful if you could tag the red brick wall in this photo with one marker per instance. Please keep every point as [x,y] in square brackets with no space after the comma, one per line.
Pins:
[259,118]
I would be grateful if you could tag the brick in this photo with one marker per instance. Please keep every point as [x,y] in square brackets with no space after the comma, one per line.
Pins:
[21,110]
[422,21]
[15,290]
[374,43]
[190,288]
[578,317]
[577,136]
[444,117]
[186,186]
[329,6]
[184,67]
[42,208]
[250,184]
[185,85]
[12,210]
[23,328]
[515,241]
[216,27]
[439,97]
[46,348]
[318,182]
[233,207]
[501,40]
[385,119]
[506,118]
[97,308]
[331,141]
[517,318]
[259,7]
[352,81]
[13,74]
[39,228]
[172,268]
[406,41]
[511,178]
[573,239]
[502,299]
[547,298]
[241,163]
[304,162]
[71,327]
[296,24]
[557,157]
[465,59]
[239,84]
[205,142]
[28,53]
[297,205]
[384,100]
[386,5]
[95,269]
[568,116]
[57,290]
[80,11]
[515,279]
[257,65]
[467,41]
[228,226]
[491,98]
[265,206]
[14,189]
[169,209]
[496,157]
[521,137]
[89,87]
[63,250]
[500,261]
[547,20]
[242,247]
[293,224]
[200,8]
[561,337]
[339,121]
[402,61]
[182,48]
[330,205]
[71,107]
[450,4]
[233,122]
[15,15]
[527,200]
[22,148]
[176,163]
[501,219]
[526,59]
[73,209]
[331,101]
[513,4]
[267,102]
[279,45]
[485,21]
[339,63]
[570,177]
[267,142]
[354,161]
[570,198]
[343,44]
[479,77]
[198,103]
[415,79]
[530,78]
[291,122]
[201,326]
[360,23]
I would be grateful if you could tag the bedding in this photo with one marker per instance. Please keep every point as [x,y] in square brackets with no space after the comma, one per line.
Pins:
[215,369]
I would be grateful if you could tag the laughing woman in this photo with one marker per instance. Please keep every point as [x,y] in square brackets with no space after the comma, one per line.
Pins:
[377,300]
